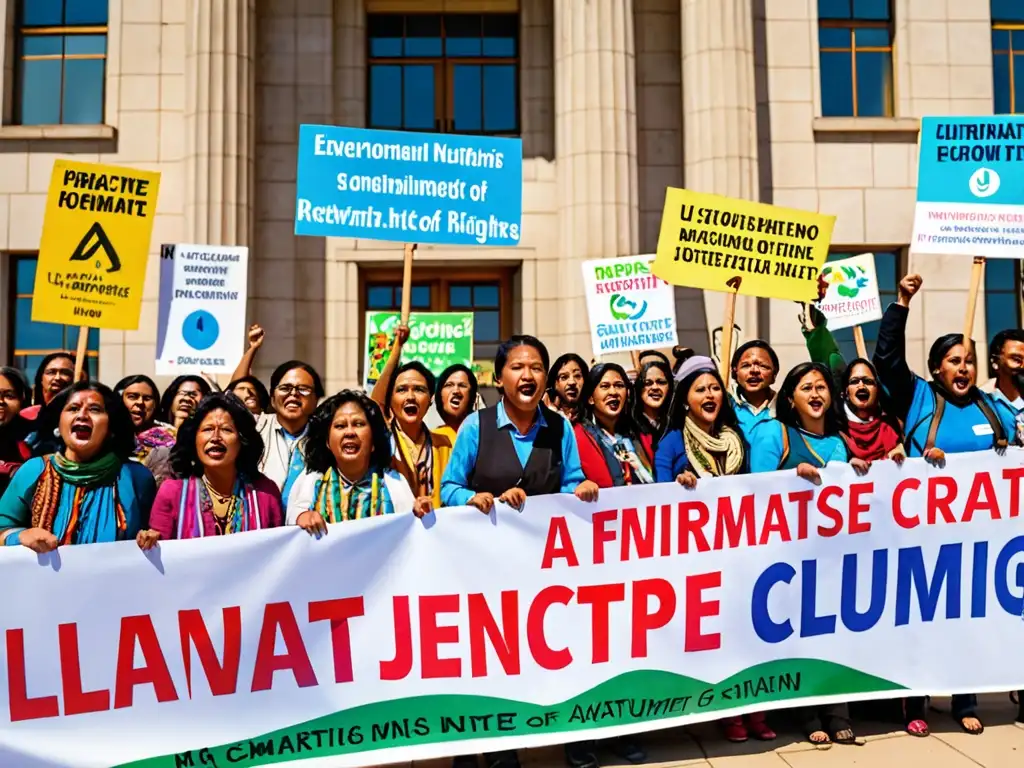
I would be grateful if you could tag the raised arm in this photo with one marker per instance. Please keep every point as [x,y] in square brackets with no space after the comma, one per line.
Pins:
[891,351]
[244,367]
[379,395]
[821,344]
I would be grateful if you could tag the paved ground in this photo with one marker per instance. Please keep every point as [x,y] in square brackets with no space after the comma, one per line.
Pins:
[1000,746]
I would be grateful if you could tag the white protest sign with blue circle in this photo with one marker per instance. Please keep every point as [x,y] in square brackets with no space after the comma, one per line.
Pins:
[970,187]
[409,187]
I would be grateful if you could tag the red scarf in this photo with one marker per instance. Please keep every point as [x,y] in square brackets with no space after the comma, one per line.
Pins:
[872,440]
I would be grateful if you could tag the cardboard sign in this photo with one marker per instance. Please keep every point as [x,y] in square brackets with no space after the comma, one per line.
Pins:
[201,321]
[436,339]
[850,292]
[95,242]
[970,187]
[707,241]
[409,187]
[629,307]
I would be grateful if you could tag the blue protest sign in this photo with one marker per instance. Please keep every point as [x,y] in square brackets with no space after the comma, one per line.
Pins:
[970,187]
[409,187]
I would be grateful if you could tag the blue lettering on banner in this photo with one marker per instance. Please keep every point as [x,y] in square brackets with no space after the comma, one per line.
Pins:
[972,160]
[448,189]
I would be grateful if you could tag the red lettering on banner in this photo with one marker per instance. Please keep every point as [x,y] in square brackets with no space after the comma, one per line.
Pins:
[644,620]
[22,706]
[982,498]
[902,520]
[221,677]
[601,533]
[77,701]
[139,629]
[830,512]
[697,609]
[803,500]
[542,653]
[504,640]
[858,506]
[738,526]
[940,502]
[1014,475]
[636,536]
[433,634]
[559,544]
[694,528]
[600,597]
[279,616]
[775,521]
[400,666]
[338,612]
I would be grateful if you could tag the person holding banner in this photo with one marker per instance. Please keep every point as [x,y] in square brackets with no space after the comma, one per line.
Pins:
[14,451]
[652,398]
[221,490]
[90,492]
[755,367]
[1006,366]
[871,433]
[349,474]
[55,373]
[607,437]
[455,399]
[181,398]
[565,384]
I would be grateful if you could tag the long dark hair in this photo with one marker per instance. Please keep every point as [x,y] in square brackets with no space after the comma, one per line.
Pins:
[120,428]
[318,454]
[639,417]
[37,389]
[163,412]
[448,372]
[680,403]
[184,456]
[835,420]
[624,425]
[556,368]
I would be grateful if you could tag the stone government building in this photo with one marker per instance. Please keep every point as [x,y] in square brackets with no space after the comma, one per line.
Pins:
[811,104]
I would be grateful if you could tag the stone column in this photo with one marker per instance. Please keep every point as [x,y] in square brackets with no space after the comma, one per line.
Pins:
[219,121]
[349,63]
[595,148]
[720,117]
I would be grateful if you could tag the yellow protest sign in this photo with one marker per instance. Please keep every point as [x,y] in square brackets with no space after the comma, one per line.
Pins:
[707,241]
[92,255]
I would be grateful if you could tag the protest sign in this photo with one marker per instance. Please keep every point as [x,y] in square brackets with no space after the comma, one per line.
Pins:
[92,254]
[970,187]
[629,308]
[201,316]
[436,339]
[409,187]
[851,292]
[394,639]
[707,241]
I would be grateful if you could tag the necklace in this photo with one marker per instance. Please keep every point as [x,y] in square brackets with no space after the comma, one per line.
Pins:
[222,501]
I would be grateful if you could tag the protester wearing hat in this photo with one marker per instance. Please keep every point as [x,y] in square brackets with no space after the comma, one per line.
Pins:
[754,369]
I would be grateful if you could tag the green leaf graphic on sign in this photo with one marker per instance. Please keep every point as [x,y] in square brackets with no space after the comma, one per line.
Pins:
[844,290]
[634,697]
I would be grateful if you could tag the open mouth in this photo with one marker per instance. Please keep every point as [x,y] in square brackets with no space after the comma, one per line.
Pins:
[216,451]
[612,403]
[655,394]
[816,405]
[293,404]
[455,401]
[571,393]
[81,431]
[350,448]
[529,389]
[411,409]
[862,395]
[961,383]
[709,407]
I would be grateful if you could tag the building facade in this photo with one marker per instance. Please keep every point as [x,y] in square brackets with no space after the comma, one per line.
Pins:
[811,104]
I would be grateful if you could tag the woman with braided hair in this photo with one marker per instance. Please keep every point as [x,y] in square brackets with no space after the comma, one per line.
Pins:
[88,492]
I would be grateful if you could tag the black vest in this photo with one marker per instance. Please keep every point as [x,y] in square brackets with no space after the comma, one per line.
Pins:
[497,466]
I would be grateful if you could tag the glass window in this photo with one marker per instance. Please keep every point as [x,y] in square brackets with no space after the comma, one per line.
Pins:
[1002,295]
[887,267]
[453,73]
[33,341]
[855,57]
[61,61]
[1007,57]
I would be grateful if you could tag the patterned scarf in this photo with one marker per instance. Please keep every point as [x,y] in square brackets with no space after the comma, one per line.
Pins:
[243,510]
[712,456]
[158,435]
[337,500]
[84,478]
[420,466]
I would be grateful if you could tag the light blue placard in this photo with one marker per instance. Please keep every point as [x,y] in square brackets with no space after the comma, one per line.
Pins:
[972,160]
[409,187]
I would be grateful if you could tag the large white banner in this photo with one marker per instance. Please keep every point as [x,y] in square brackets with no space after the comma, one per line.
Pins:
[395,639]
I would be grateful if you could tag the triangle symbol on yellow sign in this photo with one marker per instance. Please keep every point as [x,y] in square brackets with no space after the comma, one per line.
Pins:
[94,240]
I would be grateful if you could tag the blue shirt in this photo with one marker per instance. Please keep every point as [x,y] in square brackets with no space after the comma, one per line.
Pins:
[749,417]
[455,490]
[670,460]
[766,448]
[1007,411]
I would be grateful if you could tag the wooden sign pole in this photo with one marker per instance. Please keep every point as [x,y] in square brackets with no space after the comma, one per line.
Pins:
[977,275]
[410,250]
[81,351]
[728,323]
[858,339]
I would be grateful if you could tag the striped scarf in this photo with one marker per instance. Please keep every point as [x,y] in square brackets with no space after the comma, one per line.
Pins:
[338,500]
[712,456]
[84,478]
[195,504]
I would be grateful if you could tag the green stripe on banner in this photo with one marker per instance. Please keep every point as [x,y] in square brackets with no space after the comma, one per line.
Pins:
[634,697]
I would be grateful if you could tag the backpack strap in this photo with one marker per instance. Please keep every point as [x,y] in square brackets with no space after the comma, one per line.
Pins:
[933,428]
[785,446]
[999,439]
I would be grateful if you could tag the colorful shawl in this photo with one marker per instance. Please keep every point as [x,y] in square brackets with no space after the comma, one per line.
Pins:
[713,456]
[93,477]
[195,504]
[159,435]
[337,499]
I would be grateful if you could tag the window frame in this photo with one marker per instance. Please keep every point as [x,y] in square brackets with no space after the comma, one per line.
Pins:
[1015,292]
[92,355]
[21,32]
[902,261]
[439,279]
[1010,27]
[444,67]
[853,24]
